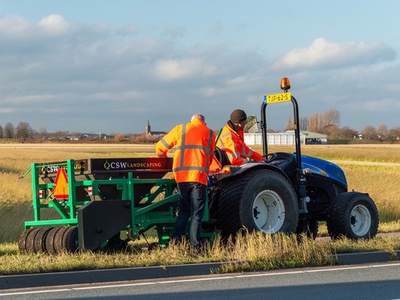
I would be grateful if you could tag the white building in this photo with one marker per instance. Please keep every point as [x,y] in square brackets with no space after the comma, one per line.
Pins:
[285,138]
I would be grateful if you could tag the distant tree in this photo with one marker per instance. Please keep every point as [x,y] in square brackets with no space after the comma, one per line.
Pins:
[382,132]
[144,139]
[369,132]
[59,135]
[9,130]
[1,132]
[303,123]
[313,123]
[119,137]
[394,133]
[346,133]
[332,131]
[23,131]
[331,117]
[320,123]
[42,133]
[289,124]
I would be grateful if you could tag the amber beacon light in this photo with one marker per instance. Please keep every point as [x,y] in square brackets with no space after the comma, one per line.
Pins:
[285,84]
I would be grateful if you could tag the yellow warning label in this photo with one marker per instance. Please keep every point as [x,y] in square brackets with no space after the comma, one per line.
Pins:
[60,189]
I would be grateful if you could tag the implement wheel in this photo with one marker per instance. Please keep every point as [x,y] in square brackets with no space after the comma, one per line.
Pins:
[23,239]
[50,240]
[70,239]
[353,215]
[39,244]
[259,200]
[30,240]
[59,239]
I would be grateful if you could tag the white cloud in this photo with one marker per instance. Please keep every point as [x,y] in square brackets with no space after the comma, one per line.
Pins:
[169,70]
[54,24]
[325,54]
[185,68]
[13,25]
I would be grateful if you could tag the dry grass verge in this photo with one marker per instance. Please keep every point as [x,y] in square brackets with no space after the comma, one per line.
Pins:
[254,252]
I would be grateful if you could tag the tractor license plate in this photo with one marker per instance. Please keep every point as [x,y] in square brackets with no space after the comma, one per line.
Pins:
[276,98]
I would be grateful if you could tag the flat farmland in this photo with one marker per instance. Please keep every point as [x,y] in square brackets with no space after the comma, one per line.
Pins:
[374,169]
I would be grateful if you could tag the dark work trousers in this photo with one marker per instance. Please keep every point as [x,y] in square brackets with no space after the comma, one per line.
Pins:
[192,201]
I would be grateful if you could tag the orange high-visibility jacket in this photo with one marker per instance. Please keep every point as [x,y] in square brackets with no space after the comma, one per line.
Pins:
[194,152]
[233,144]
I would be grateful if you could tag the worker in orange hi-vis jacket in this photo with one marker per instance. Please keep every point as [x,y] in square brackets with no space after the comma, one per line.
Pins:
[194,143]
[231,140]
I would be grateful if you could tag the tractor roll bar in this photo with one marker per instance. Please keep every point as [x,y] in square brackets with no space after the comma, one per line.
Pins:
[263,124]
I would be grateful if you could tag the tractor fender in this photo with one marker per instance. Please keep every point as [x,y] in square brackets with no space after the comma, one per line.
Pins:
[236,171]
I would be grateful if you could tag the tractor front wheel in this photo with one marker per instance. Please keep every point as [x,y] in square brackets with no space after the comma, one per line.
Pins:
[353,215]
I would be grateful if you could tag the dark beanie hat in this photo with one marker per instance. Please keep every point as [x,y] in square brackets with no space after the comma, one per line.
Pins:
[238,116]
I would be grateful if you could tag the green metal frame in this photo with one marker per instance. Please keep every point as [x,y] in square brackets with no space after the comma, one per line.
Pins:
[145,216]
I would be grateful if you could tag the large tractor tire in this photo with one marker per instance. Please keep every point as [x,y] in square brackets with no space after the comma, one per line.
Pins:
[260,200]
[353,215]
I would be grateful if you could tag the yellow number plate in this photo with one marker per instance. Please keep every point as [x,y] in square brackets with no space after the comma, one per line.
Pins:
[275,98]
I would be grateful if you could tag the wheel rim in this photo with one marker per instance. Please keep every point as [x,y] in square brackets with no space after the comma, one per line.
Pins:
[268,212]
[360,220]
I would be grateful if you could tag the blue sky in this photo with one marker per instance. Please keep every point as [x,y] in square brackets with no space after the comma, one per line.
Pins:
[111,66]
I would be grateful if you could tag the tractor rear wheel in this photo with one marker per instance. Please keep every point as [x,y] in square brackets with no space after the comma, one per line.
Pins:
[259,200]
[353,215]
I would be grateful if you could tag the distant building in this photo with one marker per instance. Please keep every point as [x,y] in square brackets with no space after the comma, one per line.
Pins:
[153,134]
[285,138]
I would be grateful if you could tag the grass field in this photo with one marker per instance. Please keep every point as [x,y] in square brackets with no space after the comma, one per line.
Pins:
[374,169]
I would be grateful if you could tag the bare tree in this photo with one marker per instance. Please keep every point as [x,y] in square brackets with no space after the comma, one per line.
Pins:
[23,131]
[369,132]
[346,133]
[332,131]
[313,123]
[119,137]
[59,135]
[42,132]
[289,124]
[382,131]
[303,123]
[331,117]
[9,130]
[1,132]
[394,133]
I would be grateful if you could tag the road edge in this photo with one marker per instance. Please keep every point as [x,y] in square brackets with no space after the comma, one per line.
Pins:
[156,272]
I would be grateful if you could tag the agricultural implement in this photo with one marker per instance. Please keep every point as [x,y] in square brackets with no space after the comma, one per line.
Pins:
[105,202]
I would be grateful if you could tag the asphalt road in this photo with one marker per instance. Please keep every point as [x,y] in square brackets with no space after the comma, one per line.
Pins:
[367,281]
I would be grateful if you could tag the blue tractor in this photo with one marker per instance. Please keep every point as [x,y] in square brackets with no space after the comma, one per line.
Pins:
[289,192]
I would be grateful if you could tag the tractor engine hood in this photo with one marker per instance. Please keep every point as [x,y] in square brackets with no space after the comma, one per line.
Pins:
[323,167]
